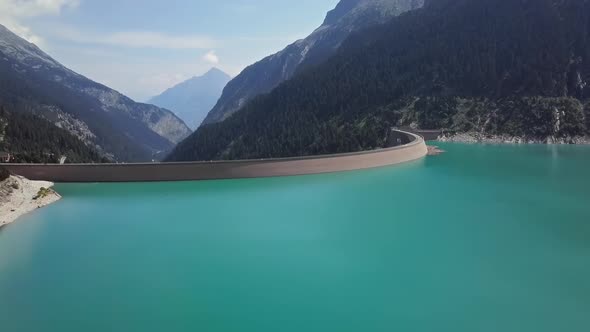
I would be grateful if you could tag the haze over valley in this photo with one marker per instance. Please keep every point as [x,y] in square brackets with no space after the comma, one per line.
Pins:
[192,99]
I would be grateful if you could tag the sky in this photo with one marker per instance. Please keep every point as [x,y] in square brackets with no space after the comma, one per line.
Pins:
[143,47]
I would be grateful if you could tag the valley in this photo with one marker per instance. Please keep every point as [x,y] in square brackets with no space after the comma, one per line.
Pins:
[323,165]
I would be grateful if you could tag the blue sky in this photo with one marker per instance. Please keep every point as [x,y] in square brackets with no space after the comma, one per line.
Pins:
[142,47]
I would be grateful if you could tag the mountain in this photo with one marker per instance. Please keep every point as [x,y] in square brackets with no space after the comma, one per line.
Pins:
[191,100]
[265,75]
[31,139]
[494,67]
[104,119]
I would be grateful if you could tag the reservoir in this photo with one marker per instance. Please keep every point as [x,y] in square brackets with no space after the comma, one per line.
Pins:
[481,238]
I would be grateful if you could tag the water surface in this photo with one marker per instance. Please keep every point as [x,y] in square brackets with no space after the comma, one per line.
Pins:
[482,238]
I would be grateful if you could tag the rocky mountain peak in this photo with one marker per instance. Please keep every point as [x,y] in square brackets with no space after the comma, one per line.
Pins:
[22,51]
[214,71]
[214,74]
[262,77]
[342,9]
[193,98]
[346,8]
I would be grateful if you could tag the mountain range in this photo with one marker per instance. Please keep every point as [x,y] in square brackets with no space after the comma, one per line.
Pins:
[31,139]
[192,99]
[494,67]
[104,119]
[265,75]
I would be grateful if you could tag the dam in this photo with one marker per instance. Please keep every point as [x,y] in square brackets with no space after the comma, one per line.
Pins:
[413,147]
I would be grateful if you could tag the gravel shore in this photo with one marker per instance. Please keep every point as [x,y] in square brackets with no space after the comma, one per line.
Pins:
[505,139]
[19,196]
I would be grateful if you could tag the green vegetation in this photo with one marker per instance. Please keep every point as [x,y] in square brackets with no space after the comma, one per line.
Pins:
[496,66]
[31,139]
[43,192]
[118,132]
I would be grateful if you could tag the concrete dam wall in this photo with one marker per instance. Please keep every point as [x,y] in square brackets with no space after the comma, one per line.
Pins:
[215,170]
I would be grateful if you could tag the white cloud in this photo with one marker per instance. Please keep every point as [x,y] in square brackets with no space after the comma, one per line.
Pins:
[34,8]
[132,39]
[211,57]
[12,13]
[147,39]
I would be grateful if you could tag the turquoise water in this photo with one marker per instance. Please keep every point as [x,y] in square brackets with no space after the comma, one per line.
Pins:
[482,238]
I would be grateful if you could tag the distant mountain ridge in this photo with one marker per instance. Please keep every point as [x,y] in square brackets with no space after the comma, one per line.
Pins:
[265,75]
[192,99]
[496,68]
[113,124]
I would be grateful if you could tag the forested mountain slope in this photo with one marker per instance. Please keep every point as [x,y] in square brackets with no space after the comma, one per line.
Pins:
[116,126]
[493,66]
[31,139]
[265,75]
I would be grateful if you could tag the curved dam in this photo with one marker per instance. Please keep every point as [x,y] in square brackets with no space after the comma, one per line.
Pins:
[217,170]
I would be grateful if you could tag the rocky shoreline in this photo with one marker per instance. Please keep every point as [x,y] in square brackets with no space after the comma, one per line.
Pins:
[19,196]
[506,139]
[434,150]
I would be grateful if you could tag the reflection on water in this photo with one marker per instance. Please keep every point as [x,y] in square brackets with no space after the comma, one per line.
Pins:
[25,246]
[481,238]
